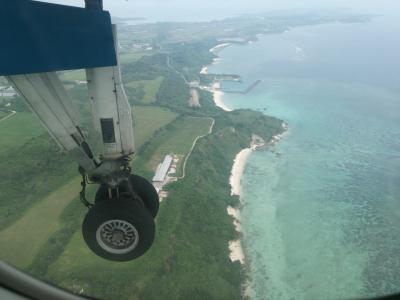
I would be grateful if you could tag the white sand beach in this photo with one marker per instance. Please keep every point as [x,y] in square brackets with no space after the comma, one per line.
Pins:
[218,94]
[218,100]
[236,251]
[239,164]
[219,47]
[204,70]
[235,214]
[237,171]
[235,247]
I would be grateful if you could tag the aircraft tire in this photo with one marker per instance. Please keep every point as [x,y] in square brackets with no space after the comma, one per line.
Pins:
[143,188]
[118,230]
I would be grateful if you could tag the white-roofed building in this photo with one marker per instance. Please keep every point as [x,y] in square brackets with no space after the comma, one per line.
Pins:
[162,169]
[7,91]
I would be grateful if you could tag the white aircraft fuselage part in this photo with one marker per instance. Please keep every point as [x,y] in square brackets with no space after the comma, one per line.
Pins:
[112,115]
[111,110]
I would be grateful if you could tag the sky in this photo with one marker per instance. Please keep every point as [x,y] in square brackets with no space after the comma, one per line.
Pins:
[202,10]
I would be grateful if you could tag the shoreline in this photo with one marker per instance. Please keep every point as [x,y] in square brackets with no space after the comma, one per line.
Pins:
[215,88]
[216,49]
[236,249]
[235,180]
[217,96]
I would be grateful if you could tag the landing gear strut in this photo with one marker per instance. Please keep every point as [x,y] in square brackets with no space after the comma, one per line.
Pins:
[120,224]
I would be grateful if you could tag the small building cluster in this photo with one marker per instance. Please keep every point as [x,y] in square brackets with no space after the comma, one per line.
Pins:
[142,46]
[7,91]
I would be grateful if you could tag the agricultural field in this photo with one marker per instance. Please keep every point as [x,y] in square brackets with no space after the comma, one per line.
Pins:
[150,88]
[21,241]
[19,129]
[2,114]
[131,57]
[147,120]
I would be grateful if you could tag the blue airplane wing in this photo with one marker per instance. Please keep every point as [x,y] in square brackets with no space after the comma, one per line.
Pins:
[42,37]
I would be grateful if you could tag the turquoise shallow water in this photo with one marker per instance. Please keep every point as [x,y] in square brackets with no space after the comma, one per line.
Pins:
[321,217]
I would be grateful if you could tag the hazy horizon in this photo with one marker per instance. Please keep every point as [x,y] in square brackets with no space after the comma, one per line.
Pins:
[181,10]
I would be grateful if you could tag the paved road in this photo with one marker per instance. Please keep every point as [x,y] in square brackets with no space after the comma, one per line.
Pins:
[8,116]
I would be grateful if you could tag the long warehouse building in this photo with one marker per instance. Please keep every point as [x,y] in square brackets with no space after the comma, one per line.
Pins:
[162,169]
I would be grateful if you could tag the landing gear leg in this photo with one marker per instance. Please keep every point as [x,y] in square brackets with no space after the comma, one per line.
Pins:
[134,187]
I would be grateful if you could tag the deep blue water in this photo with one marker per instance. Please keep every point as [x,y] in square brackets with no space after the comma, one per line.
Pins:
[321,214]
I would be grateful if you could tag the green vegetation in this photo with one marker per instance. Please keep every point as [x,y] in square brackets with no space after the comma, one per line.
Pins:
[36,226]
[174,93]
[150,89]
[189,258]
[191,57]
[40,215]
[177,138]
[147,120]
[29,172]
[131,57]
[18,130]
[55,251]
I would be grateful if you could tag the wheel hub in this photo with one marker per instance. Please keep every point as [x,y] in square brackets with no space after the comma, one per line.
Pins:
[117,236]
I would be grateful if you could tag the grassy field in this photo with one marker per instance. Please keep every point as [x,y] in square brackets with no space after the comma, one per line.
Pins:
[77,251]
[180,140]
[17,130]
[3,114]
[131,57]
[21,241]
[150,88]
[147,120]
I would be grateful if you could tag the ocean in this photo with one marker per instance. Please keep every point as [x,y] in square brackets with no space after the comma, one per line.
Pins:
[321,214]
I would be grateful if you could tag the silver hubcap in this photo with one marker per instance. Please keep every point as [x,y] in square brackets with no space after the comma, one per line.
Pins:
[117,236]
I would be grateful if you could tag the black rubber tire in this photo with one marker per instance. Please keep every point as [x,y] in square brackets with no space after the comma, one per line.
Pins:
[126,210]
[142,187]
